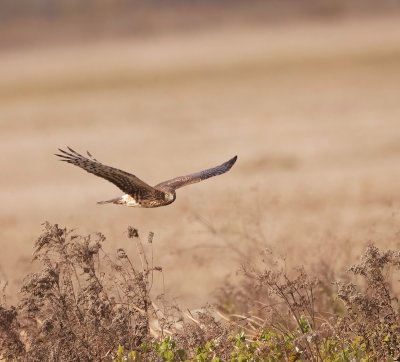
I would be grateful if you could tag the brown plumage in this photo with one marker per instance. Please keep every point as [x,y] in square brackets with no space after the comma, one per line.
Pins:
[137,192]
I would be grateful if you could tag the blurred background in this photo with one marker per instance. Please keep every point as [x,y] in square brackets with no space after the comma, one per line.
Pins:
[306,93]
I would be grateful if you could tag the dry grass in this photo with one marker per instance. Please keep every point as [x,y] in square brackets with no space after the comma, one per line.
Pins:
[83,304]
[311,110]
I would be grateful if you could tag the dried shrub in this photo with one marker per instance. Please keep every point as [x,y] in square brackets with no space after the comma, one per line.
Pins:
[204,328]
[373,310]
[85,306]
[81,305]
[308,319]
[278,306]
[10,341]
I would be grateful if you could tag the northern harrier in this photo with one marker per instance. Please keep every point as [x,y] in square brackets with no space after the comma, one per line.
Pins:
[137,192]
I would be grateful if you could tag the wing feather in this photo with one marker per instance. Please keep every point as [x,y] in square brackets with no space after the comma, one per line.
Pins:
[177,182]
[127,182]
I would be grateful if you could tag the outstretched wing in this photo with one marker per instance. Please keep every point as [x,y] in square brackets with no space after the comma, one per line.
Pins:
[127,182]
[177,182]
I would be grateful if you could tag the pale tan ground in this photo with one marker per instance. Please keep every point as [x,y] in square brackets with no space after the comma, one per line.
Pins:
[311,109]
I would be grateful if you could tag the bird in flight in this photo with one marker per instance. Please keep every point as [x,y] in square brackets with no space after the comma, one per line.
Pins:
[137,192]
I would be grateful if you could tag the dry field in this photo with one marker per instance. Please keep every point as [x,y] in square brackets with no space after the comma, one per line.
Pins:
[311,109]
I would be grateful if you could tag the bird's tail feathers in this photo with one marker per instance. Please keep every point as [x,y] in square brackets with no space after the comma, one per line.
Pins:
[117,200]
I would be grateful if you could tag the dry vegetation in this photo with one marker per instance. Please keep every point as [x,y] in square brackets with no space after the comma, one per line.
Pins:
[85,306]
[312,110]
[315,125]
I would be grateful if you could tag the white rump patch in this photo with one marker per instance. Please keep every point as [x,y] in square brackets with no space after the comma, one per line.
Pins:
[128,200]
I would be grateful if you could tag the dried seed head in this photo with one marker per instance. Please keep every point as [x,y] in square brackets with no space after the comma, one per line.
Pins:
[150,237]
[132,232]
[121,254]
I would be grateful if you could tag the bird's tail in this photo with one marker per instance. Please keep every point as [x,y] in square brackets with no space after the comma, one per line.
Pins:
[117,200]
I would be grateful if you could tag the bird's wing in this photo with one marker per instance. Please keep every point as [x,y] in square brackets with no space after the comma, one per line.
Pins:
[177,182]
[127,182]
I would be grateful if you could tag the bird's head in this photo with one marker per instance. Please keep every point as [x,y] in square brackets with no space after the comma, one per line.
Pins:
[169,196]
